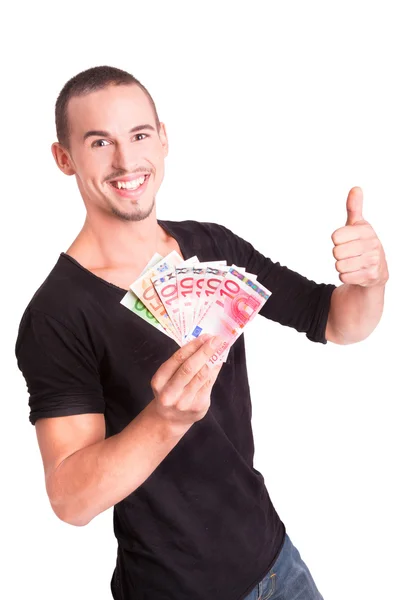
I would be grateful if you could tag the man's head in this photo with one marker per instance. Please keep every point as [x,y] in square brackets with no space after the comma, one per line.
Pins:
[109,134]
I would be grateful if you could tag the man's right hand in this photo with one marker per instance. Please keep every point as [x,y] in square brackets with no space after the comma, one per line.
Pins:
[182,385]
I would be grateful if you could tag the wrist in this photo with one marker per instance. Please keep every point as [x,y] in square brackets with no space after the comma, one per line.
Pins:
[167,428]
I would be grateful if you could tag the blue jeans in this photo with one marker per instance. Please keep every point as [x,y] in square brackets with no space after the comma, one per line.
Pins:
[289,578]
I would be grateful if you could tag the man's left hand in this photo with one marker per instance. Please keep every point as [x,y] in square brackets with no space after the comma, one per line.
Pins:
[360,258]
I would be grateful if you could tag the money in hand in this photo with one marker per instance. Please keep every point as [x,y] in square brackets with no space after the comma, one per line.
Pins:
[185,299]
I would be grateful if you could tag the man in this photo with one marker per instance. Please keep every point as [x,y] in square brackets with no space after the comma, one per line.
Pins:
[123,416]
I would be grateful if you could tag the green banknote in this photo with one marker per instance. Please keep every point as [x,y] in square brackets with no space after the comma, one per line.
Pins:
[134,304]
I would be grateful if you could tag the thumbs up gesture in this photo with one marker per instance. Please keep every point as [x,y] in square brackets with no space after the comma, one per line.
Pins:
[360,258]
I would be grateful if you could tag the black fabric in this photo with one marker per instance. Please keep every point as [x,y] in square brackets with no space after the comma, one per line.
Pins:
[202,526]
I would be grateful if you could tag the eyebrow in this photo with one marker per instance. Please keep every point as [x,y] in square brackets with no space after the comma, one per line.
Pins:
[101,133]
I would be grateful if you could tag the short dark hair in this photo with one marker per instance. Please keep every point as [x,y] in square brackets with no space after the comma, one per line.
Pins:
[88,81]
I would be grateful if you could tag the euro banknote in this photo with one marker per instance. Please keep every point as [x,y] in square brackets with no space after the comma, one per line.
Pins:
[236,302]
[144,289]
[188,298]
[134,304]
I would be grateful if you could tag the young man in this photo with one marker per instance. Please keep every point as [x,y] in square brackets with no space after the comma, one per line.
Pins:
[123,416]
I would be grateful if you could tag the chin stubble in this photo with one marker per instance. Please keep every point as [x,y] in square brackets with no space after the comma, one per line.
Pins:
[137,215]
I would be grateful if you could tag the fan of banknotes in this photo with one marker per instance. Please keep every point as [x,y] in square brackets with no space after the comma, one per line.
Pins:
[186,299]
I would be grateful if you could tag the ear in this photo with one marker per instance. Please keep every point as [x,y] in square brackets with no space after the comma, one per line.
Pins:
[164,139]
[62,158]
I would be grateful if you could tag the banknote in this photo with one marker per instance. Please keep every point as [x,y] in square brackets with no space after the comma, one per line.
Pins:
[242,270]
[235,303]
[199,270]
[184,299]
[184,284]
[166,288]
[199,274]
[134,304]
[212,280]
[144,289]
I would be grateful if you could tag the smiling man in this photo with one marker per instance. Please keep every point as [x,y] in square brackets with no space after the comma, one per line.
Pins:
[127,419]
[131,186]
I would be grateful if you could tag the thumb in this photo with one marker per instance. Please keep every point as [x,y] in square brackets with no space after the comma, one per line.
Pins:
[354,206]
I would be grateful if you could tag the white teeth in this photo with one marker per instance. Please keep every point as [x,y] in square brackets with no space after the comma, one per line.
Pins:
[131,185]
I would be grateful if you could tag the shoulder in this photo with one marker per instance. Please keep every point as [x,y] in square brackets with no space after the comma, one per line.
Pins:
[59,281]
[188,227]
[63,296]
[205,237]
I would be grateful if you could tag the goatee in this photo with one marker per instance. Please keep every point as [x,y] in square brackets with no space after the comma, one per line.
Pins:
[137,215]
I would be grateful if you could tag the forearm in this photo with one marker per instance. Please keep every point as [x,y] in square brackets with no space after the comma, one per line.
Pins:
[96,477]
[354,313]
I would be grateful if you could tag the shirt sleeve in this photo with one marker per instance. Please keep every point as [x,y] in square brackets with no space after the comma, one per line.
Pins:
[295,301]
[59,369]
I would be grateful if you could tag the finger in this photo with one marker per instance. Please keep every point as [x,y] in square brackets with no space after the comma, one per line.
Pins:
[207,377]
[364,277]
[357,263]
[350,249]
[189,398]
[351,233]
[200,387]
[169,367]
[214,372]
[193,368]
[354,206]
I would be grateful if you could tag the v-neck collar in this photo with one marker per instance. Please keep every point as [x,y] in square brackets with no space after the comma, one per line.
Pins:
[168,226]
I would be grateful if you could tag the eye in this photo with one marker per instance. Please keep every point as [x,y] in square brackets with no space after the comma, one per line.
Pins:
[100,144]
[137,135]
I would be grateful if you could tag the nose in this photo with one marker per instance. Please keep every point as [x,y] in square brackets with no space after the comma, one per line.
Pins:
[125,157]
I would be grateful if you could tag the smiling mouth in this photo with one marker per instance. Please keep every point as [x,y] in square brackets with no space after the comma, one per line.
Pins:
[133,185]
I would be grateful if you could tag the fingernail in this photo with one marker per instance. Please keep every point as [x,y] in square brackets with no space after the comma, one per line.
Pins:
[205,337]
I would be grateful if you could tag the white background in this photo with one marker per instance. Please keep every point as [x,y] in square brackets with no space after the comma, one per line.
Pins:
[273,112]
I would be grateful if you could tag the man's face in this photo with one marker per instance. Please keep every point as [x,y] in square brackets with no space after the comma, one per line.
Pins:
[109,159]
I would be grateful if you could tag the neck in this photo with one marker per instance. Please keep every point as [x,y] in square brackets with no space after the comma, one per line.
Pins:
[112,243]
